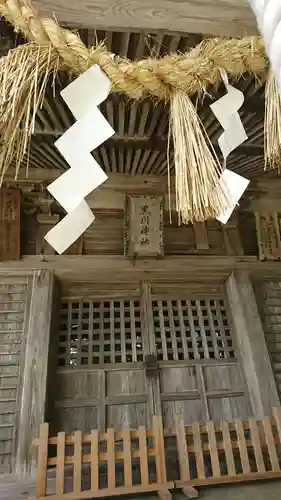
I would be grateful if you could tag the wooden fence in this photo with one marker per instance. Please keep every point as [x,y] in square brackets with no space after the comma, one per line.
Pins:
[102,453]
[229,452]
[126,462]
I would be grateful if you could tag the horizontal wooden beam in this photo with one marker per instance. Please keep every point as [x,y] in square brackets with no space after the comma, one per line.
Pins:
[127,182]
[112,269]
[152,143]
[261,196]
[216,17]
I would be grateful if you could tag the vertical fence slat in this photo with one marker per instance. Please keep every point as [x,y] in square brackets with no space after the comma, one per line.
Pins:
[242,447]
[213,449]
[111,458]
[198,451]
[60,463]
[228,450]
[41,479]
[94,460]
[77,461]
[256,445]
[159,450]
[270,444]
[127,458]
[143,456]
[182,449]
[277,416]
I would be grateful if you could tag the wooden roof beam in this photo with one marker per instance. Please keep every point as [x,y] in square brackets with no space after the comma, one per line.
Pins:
[154,143]
[216,17]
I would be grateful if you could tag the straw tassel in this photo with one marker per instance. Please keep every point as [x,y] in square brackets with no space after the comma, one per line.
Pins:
[272,124]
[199,195]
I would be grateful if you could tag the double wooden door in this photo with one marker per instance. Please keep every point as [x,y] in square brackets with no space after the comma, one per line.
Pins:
[103,340]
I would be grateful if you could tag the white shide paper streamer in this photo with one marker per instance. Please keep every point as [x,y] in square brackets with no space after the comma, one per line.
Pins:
[268,13]
[226,111]
[89,131]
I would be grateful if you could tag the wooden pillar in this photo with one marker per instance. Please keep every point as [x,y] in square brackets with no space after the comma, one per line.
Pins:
[251,343]
[33,386]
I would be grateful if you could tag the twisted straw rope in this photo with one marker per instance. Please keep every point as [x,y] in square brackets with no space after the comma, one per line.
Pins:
[192,72]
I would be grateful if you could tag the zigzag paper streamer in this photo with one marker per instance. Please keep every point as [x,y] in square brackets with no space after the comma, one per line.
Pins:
[89,131]
[226,111]
[268,13]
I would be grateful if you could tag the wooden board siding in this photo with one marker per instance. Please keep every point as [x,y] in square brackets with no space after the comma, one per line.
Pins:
[9,224]
[13,296]
[269,301]
[106,236]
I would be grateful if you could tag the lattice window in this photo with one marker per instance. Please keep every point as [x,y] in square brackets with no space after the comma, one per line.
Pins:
[98,332]
[192,329]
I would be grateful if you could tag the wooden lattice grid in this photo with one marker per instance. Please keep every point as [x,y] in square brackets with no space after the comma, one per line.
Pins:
[97,332]
[192,329]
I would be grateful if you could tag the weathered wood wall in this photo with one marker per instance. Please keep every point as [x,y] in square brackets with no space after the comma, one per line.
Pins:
[106,236]
[268,294]
[14,302]
[26,312]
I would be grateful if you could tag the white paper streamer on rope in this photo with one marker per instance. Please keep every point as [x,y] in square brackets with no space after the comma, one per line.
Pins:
[236,185]
[89,131]
[268,13]
[226,111]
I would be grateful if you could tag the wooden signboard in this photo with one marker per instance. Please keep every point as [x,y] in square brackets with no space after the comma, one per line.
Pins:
[143,234]
[9,224]
[268,235]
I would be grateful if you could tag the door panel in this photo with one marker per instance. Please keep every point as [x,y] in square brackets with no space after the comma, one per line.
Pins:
[103,340]
[229,408]
[102,343]
[199,373]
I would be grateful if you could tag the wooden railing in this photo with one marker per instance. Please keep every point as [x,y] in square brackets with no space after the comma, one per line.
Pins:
[135,461]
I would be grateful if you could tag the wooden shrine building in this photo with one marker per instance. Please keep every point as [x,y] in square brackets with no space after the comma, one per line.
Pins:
[141,316]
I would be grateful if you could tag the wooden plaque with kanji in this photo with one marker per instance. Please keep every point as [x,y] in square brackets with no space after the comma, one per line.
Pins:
[143,235]
[9,224]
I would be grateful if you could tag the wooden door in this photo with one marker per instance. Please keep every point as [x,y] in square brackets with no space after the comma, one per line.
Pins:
[200,375]
[104,336]
[102,342]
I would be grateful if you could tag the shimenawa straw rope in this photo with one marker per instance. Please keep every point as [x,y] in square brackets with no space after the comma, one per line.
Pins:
[24,73]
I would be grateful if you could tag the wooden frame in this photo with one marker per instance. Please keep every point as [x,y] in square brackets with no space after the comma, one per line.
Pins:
[34,368]
[251,342]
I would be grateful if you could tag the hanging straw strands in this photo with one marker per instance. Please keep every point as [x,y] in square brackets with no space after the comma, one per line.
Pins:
[197,168]
[272,124]
[24,73]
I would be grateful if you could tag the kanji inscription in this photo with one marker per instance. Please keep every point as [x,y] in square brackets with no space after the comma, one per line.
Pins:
[9,224]
[143,233]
